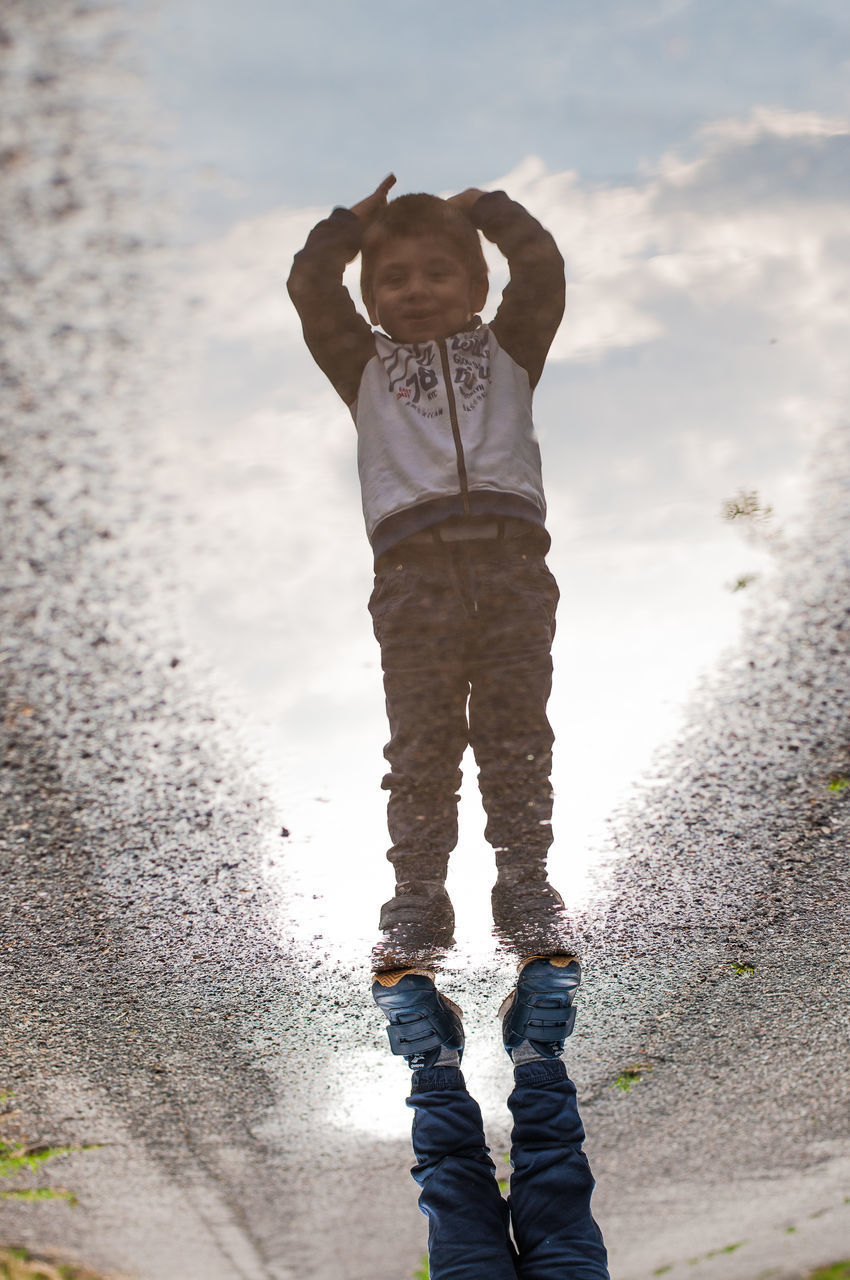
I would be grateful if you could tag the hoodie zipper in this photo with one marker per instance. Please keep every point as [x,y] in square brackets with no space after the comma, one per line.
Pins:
[450,397]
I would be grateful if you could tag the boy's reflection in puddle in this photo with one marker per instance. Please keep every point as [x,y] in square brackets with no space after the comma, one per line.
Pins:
[464,604]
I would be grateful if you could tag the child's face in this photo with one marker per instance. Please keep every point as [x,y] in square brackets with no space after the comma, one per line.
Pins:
[422,290]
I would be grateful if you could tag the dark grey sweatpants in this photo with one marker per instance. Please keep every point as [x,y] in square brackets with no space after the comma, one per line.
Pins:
[466,632]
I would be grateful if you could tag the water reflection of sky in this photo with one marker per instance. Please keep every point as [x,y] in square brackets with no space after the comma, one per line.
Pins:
[692,162]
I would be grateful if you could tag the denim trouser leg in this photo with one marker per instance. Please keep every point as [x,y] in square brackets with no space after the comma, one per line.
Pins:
[468,1234]
[551,1183]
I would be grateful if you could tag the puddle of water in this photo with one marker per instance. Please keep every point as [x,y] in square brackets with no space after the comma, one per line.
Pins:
[704,338]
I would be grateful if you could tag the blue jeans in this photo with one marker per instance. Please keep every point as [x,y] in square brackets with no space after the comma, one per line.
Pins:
[469,1222]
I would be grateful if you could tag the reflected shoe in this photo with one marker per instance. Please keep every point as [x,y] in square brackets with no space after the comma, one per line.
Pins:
[538,1016]
[425,1027]
[420,915]
[529,913]
[392,953]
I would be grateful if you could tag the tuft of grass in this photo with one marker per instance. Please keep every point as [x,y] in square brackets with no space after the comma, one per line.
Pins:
[662,1271]
[838,1271]
[727,1248]
[16,1156]
[743,969]
[422,1272]
[40,1193]
[839,782]
[20,1264]
[630,1076]
[20,1157]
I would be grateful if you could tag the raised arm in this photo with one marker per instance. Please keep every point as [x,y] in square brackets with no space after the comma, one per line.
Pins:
[339,339]
[533,301]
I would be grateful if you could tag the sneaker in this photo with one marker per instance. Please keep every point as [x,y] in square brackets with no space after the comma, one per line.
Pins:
[540,1010]
[419,915]
[422,1022]
[529,913]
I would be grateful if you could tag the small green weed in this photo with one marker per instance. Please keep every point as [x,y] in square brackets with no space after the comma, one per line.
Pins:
[727,1248]
[662,1271]
[838,1271]
[743,969]
[40,1193]
[712,1253]
[422,1272]
[839,782]
[20,1157]
[630,1076]
[20,1264]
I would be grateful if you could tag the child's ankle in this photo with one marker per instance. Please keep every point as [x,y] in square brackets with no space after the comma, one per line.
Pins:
[511,873]
[526,1052]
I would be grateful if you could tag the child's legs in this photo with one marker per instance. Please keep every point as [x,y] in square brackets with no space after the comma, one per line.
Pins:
[511,677]
[467,1217]
[419,622]
[551,1182]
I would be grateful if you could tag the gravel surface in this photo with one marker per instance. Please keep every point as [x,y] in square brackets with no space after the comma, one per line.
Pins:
[154,1000]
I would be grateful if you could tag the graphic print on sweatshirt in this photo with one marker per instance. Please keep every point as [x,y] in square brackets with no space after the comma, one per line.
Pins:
[413,378]
[471,361]
[411,372]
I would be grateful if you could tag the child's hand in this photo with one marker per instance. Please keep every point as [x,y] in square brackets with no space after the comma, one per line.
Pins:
[366,209]
[464,200]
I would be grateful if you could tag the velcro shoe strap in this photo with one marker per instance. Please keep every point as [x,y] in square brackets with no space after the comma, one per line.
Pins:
[548,1030]
[416,1036]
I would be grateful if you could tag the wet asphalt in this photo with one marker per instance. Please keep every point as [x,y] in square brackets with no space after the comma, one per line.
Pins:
[152,996]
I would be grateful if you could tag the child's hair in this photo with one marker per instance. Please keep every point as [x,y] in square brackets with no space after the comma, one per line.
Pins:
[421,214]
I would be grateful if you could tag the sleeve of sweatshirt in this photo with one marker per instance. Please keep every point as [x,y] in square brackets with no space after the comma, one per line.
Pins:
[338,337]
[533,301]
